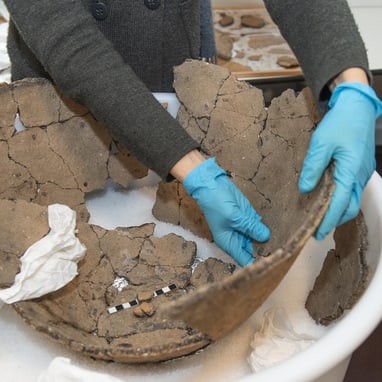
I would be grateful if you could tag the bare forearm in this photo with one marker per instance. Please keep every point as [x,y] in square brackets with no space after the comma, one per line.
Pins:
[350,75]
[186,164]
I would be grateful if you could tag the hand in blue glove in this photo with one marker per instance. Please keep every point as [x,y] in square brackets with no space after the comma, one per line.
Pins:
[346,134]
[232,220]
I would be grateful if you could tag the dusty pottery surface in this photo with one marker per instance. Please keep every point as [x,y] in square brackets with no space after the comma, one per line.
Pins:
[61,154]
[262,149]
[343,275]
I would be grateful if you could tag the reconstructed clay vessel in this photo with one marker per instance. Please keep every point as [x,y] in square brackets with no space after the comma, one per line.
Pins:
[63,153]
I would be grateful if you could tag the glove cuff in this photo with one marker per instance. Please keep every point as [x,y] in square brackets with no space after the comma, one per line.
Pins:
[203,175]
[361,88]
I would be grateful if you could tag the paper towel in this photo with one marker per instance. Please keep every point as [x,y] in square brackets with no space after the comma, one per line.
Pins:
[51,262]
[276,341]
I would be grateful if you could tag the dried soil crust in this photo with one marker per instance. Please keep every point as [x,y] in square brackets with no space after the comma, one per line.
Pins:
[62,154]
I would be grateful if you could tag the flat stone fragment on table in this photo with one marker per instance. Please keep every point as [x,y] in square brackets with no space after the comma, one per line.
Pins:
[287,61]
[263,41]
[252,21]
[226,20]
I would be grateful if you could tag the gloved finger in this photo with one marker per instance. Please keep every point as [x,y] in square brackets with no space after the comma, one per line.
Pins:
[237,246]
[244,256]
[365,173]
[249,223]
[354,205]
[338,205]
[252,227]
[315,163]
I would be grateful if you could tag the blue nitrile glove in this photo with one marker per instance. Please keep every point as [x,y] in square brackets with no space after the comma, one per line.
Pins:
[232,220]
[346,134]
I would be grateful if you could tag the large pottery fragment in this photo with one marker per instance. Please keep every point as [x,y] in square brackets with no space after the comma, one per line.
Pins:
[262,150]
[343,275]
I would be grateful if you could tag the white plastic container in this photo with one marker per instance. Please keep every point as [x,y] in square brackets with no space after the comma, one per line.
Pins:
[327,360]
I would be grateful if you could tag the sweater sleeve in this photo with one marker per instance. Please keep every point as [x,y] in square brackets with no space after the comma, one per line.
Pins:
[85,66]
[324,37]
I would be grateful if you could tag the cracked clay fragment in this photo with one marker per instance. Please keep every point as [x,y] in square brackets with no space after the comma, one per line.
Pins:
[73,314]
[343,275]
[262,149]
[211,270]
[22,225]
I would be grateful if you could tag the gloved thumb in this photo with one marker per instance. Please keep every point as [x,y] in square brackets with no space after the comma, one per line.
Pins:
[248,222]
[315,163]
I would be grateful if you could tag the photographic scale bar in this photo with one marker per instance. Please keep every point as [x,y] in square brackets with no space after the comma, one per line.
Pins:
[127,305]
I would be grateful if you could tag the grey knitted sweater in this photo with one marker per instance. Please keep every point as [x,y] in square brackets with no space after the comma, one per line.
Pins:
[111,54]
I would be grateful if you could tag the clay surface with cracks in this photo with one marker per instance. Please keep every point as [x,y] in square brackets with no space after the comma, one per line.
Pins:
[263,150]
[343,276]
[61,153]
[232,124]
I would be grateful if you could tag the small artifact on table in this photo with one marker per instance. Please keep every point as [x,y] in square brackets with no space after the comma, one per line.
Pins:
[224,44]
[288,61]
[252,21]
[226,20]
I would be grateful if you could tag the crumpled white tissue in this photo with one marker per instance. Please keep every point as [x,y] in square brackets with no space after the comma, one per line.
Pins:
[276,341]
[51,262]
[61,370]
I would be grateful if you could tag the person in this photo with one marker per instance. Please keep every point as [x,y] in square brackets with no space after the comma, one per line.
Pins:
[111,55]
